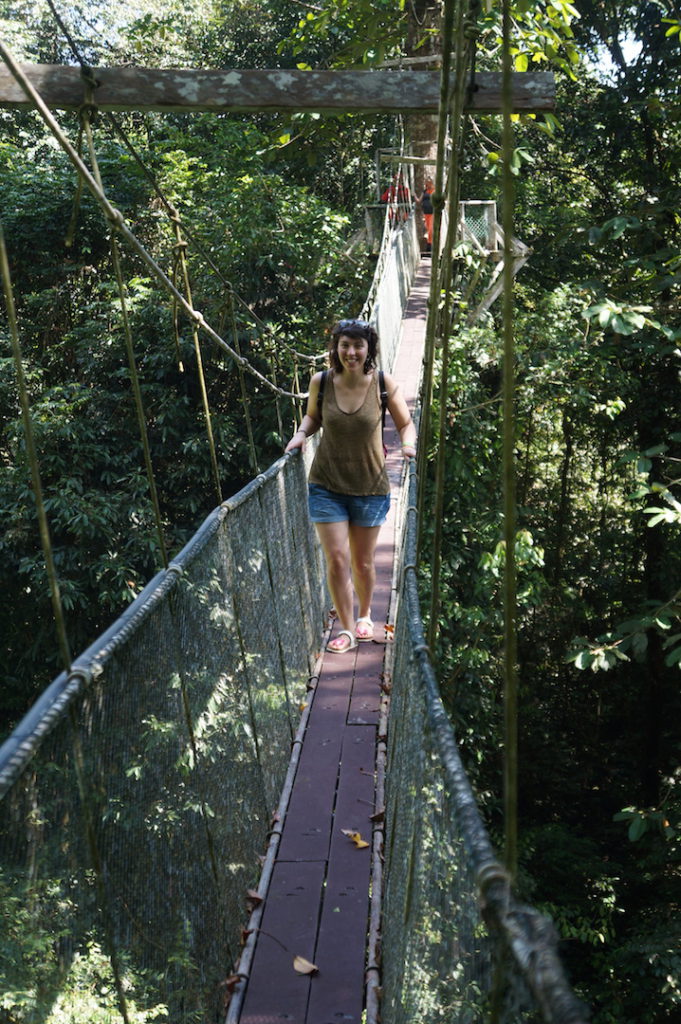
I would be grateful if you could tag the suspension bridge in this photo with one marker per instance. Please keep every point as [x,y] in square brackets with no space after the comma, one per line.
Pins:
[211,820]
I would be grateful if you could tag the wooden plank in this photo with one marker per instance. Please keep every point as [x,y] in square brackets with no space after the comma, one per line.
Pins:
[275,992]
[183,90]
[337,993]
[334,790]
[307,825]
[365,703]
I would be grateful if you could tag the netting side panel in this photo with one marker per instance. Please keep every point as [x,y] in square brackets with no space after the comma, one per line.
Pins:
[310,566]
[256,601]
[48,900]
[436,957]
[174,793]
[404,784]
[296,593]
[135,831]
[393,290]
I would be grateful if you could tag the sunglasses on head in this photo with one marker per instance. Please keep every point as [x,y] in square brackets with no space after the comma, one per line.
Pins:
[353,323]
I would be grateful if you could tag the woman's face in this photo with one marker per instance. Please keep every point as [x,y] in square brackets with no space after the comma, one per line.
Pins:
[352,353]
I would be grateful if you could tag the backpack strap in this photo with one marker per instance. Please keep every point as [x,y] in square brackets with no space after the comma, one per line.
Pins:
[384,396]
[320,394]
[384,406]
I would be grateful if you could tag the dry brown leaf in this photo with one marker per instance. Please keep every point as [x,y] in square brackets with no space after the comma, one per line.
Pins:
[378,817]
[301,707]
[254,896]
[303,966]
[389,630]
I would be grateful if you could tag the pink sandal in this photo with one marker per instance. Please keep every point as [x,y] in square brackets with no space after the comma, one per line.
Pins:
[365,632]
[342,643]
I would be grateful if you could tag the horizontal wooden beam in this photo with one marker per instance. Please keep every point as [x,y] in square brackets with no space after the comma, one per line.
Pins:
[330,92]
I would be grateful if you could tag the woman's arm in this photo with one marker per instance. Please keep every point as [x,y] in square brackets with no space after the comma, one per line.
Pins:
[398,409]
[310,422]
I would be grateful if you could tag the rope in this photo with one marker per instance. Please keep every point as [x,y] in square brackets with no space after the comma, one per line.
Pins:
[86,113]
[180,248]
[173,214]
[129,348]
[67,35]
[509,483]
[31,452]
[75,212]
[85,793]
[175,315]
[115,217]
[244,397]
[434,296]
[445,287]
[61,627]
[274,368]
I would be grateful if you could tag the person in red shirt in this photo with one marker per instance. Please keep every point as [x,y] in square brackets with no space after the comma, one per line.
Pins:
[427,211]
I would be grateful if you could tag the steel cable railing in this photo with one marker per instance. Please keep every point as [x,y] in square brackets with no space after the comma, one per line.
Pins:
[455,943]
[181,719]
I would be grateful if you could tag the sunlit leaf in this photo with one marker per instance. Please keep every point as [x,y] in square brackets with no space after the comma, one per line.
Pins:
[356,838]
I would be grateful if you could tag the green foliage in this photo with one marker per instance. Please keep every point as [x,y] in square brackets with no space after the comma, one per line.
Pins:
[43,978]
[596,465]
[275,242]
[543,35]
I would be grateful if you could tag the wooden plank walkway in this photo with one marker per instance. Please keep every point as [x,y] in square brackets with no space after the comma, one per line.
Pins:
[317,905]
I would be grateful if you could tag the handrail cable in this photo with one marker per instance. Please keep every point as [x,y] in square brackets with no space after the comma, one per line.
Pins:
[116,218]
[86,114]
[58,612]
[132,363]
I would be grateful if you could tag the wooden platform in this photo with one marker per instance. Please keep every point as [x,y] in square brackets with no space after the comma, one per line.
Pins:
[317,905]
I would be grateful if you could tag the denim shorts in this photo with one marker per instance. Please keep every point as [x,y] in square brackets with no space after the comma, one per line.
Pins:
[360,509]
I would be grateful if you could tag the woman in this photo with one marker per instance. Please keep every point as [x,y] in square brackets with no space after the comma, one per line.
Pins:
[349,490]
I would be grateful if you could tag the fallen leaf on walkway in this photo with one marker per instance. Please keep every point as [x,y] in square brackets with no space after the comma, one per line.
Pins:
[301,707]
[303,966]
[389,630]
[356,838]
[378,817]
[253,896]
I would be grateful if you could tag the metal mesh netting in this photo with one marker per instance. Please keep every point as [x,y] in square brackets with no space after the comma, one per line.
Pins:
[138,793]
[478,219]
[387,298]
[456,945]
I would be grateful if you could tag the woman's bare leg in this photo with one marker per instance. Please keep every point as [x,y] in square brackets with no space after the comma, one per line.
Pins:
[335,541]
[363,540]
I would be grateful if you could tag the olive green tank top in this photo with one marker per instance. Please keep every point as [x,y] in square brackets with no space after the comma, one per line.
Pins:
[349,458]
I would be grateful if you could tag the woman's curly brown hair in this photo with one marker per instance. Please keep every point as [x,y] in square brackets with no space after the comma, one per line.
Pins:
[353,329]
